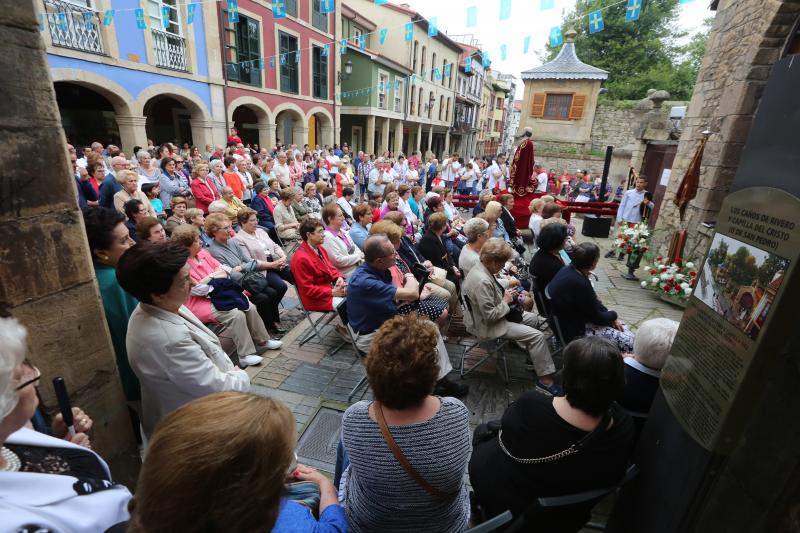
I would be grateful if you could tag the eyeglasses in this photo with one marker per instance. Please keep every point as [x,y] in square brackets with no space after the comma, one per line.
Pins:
[30,375]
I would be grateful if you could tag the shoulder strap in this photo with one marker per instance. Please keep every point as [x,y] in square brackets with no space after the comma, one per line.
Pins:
[398,453]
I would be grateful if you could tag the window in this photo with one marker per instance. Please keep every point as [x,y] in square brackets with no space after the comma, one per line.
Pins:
[243,45]
[416,46]
[444,69]
[398,96]
[431,101]
[447,111]
[318,19]
[557,106]
[383,88]
[290,82]
[441,106]
[413,94]
[356,35]
[422,64]
[154,10]
[420,103]
[433,65]
[499,103]
[291,7]
[319,66]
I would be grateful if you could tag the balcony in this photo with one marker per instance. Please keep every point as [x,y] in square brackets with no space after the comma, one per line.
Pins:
[170,50]
[72,31]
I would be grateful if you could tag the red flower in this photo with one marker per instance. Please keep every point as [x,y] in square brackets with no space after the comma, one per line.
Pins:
[653,271]
[693,273]
[659,258]
[663,269]
[678,261]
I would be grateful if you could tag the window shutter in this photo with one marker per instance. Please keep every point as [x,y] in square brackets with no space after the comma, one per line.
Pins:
[576,109]
[537,107]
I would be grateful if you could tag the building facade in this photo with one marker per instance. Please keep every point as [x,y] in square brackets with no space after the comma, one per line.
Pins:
[493,114]
[469,89]
[509,126]
[122,85]
[512,126]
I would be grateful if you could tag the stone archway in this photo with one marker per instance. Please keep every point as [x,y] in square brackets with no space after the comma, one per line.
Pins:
[291,125]
[320,126]
[254,120]
[173,113]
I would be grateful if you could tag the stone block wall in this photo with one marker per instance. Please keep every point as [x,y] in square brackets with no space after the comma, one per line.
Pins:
[614,125]
[571,162]
[747,37]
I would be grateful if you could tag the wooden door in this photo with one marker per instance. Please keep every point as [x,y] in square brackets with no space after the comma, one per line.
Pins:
[657,157]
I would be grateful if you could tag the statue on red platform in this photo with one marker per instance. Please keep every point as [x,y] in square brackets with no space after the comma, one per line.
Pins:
[522,180]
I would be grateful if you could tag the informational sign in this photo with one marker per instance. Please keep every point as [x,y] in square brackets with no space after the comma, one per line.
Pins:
[740,287]
[665,174]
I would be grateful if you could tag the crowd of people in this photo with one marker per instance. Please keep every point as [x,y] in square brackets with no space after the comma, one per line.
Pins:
[194,251]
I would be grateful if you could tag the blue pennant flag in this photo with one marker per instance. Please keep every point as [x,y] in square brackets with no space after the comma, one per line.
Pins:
[278,9]
[62,22]
[140,22]
[633,10]
[88,19]
[596,23]
[272,62]
[472,16]
[381,2]
[260,64]
[165,16]
[382,35]
[396,85]
[343,47]
[41,21]
[283,58]
[409,31]
[233,11]
[326,6]
[362,41]
[505,9]
[297,57]
[412,79]
[468,65]
[526,44]
[437,74]
[326,50]
[190,10]
[447,70]
[108,17]
[685,1]
[433,29]
[547,4]
[485,59]
[555,36]
[502,52]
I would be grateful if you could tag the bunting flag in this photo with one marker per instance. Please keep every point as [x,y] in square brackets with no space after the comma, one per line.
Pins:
[62,22]
[685,1]
[468,65]
[190,9]
[343,47]
[272,62]
[485,59]
[260,64]
[233,11]
[297,57]
[596,23]
[472,16]
[278,9]
[362,41]
[327,6]
[88,19]
[447,70]
[396,85]
[433,29]
[409,31]
[555,36]
[382,35]
[502,52]
[437,74]
[633,10]
[326,50]
[547,4]
[526,44]
[283,58]
[108,17]
[41,21]
[140,22]
[165,16]
[381,2]
[505,9]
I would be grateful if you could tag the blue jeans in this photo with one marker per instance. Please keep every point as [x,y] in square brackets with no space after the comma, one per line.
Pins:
[342,462]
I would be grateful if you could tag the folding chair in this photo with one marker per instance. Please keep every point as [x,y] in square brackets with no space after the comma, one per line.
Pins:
[555,326]
[496,347]
[317,326]
[493,524]
[341,310]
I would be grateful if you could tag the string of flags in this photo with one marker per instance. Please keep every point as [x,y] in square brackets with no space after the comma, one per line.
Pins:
[594,20]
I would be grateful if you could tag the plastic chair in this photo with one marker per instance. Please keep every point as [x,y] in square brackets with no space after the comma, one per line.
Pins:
[496,348]
[341,310]
[492,524]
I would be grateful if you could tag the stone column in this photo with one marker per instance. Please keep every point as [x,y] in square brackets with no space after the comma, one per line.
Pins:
[203,132]
[326,132]
[398,136]
[131,133]
[430,139]
[370,140]
[446,142]
[46,277]
[384,135]
[419,137]
[266,135]
[300,135]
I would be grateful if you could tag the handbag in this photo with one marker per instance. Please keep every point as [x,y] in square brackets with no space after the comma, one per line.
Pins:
[256,285]
[404,462]
[438,274]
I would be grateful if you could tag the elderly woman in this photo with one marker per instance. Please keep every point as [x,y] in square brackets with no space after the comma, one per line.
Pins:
[198,220]
[489,307]
[216,175]
[128,180]
[173,182]
[286,223]
[416,204]
[345,256]
[577,306]
[534,223]
[484,198]
[359,230]
[261,247]
[548,260]
[253,445]
[493,212]
[263,205]
[477,232]
[311,202]
[232,204]
[231,253]
[175,357]
[244,325]
[179,207]
[405,420]
[203,187]
[320,286]
[432,247]
[301,212]
[150,229]
[147,171]
[525,460]
[39,473]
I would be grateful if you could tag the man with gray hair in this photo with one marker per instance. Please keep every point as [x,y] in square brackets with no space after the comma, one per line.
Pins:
[110,186]
[281,170]
[371,298]
[378,178]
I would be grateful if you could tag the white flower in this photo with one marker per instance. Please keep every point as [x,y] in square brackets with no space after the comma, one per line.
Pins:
[644,284]
[655,280]
[684,286]
[690,265]
[687,291]
[664,276]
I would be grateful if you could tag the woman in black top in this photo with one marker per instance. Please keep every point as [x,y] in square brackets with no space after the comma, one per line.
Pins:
[539,427]
[432,248]
[546,261]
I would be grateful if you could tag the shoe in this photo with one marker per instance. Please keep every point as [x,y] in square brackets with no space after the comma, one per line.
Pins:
[611,253]
[271,344]
[621,257]
[250,360]
[552,390]
[278,329]
[630,277]
[448,387]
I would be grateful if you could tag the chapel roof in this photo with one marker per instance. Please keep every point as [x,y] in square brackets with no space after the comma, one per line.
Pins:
[566,65]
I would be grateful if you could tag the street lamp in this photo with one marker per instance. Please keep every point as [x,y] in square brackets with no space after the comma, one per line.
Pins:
[348,70]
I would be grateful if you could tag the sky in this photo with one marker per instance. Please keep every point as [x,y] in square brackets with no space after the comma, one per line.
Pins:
[526,19]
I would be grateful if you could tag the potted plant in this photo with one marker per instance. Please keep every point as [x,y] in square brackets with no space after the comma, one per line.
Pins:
[672,282]
[633,240]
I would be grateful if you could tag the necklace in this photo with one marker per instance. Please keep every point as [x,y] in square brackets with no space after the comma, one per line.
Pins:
[13,464]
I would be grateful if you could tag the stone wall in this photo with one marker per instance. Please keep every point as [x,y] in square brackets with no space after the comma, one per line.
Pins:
[570,162]
[46,275]
[614,125]
[747,37]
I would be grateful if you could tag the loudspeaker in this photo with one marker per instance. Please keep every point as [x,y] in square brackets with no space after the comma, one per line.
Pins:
[596,226]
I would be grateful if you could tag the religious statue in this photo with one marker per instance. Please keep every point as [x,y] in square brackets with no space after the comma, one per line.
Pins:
[522,180]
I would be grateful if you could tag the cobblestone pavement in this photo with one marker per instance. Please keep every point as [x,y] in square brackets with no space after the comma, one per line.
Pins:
[309,377]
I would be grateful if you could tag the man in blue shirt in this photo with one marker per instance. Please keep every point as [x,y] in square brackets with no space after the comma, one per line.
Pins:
[629,210]
[371,298]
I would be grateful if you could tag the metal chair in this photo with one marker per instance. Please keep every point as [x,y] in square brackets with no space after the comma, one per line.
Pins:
[341,310]
[496,349]
[492,524]
[556,327]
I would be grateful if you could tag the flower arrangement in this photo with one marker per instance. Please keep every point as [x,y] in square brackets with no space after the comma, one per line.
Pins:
[633,240]
[676,280]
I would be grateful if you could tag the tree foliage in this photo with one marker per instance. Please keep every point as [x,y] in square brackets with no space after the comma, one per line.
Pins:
[719,254]
[742,267]
[639,55]
[771,265]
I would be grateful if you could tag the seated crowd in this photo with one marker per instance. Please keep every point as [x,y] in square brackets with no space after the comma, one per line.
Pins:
[192,273]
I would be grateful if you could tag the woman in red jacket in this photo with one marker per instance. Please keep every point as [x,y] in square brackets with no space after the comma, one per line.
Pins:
[203,189]
[316,279]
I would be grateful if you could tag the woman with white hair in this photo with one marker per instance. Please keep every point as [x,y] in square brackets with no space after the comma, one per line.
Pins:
[217,168]
[493,211]
[148,172]
[477,232]
[46,484]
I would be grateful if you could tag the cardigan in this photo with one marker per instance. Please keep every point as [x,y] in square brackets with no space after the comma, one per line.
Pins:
[199,268]
[341,258]
[576,304]
[204,192]
[314,276]
[259,246]
[264,211]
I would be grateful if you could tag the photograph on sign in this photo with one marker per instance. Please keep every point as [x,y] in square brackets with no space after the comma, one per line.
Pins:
[739,282]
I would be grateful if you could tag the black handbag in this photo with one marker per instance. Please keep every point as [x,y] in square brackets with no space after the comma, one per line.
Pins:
[256,284]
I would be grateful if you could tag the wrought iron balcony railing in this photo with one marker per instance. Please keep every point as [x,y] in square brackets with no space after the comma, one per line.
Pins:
[170,50]
[71,28]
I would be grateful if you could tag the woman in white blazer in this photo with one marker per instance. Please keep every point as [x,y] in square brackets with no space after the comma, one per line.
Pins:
[342,251]
[175,357]
[46,484]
